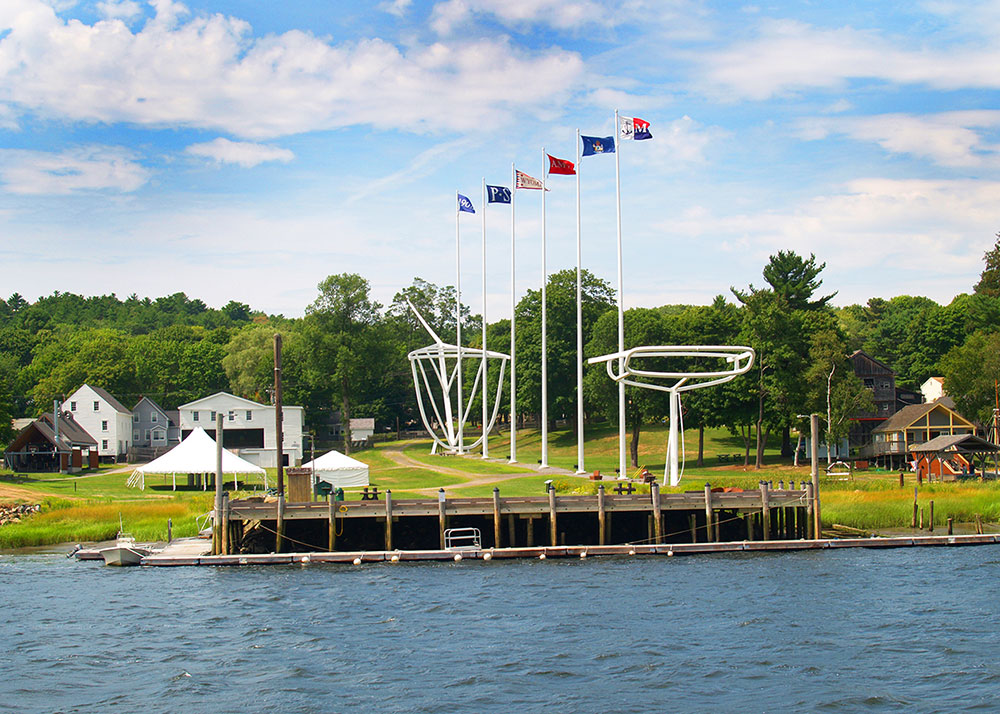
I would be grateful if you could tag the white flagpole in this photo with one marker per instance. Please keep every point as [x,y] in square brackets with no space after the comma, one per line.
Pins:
[486,448]
[458,317]
[513,375]
[621,311]
[579,322]
[545,376]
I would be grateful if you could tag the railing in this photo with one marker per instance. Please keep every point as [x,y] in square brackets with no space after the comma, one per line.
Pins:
[462,539]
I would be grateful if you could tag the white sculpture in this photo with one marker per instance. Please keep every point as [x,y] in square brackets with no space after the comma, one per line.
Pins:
[739,360]
[442,361]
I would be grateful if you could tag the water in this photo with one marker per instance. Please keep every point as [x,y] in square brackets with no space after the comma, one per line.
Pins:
[841,631]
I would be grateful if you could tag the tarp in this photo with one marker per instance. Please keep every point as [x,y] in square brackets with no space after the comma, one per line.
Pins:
[195,455]
[339,470]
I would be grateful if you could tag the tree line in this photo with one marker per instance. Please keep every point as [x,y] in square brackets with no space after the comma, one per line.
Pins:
[348,352]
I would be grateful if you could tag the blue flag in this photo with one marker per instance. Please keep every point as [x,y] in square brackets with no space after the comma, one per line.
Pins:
[497,194]
[464,204]
[598,145]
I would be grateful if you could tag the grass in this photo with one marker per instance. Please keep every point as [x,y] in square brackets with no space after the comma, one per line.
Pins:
[86,507]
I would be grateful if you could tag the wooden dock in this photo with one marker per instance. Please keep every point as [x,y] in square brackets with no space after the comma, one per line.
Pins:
[193,551]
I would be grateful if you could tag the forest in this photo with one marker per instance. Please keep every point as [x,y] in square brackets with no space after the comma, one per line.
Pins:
[348,352]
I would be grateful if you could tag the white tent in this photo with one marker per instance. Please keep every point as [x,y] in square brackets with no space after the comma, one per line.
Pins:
[195,455]
[339,470]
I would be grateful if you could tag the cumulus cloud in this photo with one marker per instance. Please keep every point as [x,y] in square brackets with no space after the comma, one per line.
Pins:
[244,153]
[212,72]
[92,168]
[124,9]
[949,138]
[788,56]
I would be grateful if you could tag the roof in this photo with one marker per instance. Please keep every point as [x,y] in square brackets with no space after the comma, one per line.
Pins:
[172,415]
[363,423]
[70,434]
[339,469]
[106,396]
[910,413]
[227,395]
[197,454]
[961,443]
[862,353]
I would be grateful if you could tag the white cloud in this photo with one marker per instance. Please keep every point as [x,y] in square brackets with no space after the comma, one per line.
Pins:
[948,139]
[396,7]
[124,9]
[244,153]
[211,72]
[788,55]
[562,14]
[92,168]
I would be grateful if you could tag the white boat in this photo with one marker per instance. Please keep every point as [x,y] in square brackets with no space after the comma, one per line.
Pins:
[125,551]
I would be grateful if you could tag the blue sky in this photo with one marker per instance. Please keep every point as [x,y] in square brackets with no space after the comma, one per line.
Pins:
[246,149]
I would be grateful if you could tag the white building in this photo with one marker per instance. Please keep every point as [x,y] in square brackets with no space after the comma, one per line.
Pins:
[104,418]
[248,427]
[932,389]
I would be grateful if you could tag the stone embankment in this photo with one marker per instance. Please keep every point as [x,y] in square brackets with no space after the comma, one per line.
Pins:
[13,514]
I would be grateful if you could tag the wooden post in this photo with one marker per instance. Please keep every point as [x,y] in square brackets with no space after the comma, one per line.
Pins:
[654,491]
[217,525]
[951,523]
[601,516]
[913,524]
[900,479]
[511,530]
[930,525]
[442,516]
[332,524]
[170,530]
[496,517]
[708,512]
[921,518]
[814,472]
[278,437]
[765,511]
[810,520]
[553,534]
[388,519]
[530,528]
[225,524]
[748,520]
[979,524]
[693,525]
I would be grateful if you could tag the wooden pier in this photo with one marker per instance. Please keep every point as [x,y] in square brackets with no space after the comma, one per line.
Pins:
[620,516]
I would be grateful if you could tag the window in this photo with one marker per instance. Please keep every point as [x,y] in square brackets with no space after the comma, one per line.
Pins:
[104,444]
[213,417]
[249,415]
[147,434]
[158,436]
[135,417]
[135,436]
[104,426]
[152,417]
[97,406]
[232,415]
[72,406]
[194,416]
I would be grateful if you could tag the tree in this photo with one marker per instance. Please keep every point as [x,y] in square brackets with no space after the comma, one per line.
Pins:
[794,279]
[971,372]
[340,335]
[989,279]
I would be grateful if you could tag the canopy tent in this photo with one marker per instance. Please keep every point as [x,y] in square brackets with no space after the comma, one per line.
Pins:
[339,470]
[195,455]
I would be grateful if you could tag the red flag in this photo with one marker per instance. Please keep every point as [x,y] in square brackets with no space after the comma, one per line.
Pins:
[561,166]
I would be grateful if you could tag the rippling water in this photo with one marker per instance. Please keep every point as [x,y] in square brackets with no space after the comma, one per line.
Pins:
[850,630]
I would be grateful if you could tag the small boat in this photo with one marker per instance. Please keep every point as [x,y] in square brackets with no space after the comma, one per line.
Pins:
[125,551]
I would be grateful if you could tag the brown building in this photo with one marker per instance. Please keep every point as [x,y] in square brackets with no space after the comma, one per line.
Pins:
[44,446]
[881,379]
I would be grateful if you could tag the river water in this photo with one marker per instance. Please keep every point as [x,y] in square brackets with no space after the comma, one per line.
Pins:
[841,631]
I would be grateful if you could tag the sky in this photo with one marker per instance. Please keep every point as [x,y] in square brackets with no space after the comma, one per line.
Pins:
[246,149]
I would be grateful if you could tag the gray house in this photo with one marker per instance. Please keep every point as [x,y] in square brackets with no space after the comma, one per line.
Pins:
[154,429]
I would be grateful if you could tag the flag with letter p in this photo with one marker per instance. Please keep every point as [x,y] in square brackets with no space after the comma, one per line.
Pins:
[497,194]
[464,204]
[597,145]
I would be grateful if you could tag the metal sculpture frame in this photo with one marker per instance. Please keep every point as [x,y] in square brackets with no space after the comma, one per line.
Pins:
[438,355]
[740,359]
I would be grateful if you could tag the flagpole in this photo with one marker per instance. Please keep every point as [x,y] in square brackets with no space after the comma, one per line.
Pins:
[486,448]
[621,312]
[579,321]
[545,376]
[513,364]
[458,317]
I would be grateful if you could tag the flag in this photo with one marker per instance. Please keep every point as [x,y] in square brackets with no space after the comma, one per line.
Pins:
[598,145]
[634,128]
[464,204]
[525,181]
[497,194]
[561,166]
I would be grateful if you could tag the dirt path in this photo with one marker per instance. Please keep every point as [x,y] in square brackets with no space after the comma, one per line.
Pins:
[398,456]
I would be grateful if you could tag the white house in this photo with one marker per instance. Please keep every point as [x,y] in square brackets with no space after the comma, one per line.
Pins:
[107,421]
[248,427]
[932,389]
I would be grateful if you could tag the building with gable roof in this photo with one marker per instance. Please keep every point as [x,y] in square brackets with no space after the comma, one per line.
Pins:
[53,442]
[104,418]
[894,439]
